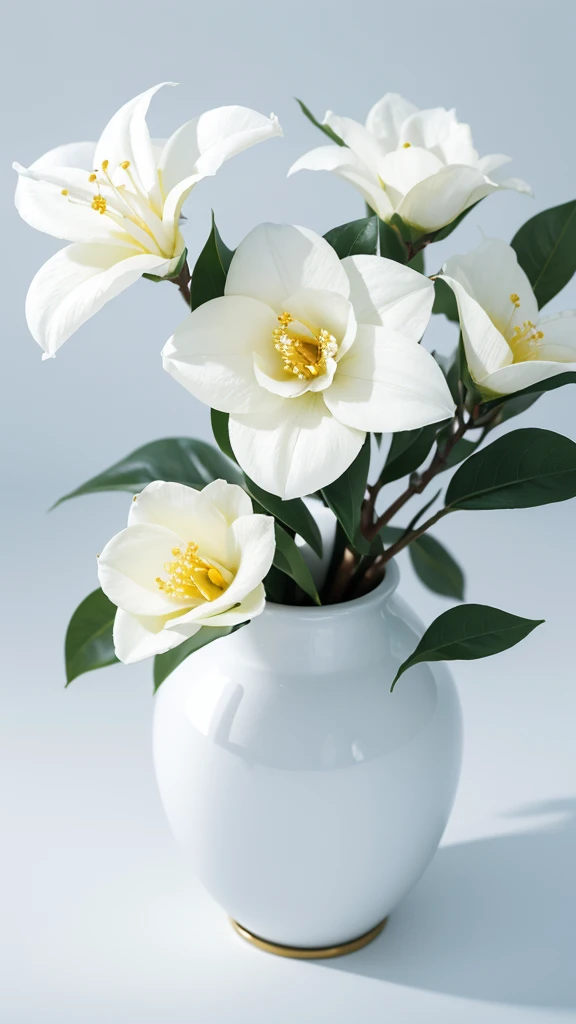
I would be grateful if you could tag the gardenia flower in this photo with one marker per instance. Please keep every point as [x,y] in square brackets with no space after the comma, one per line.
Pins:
[118,201]
[307,353]
[508,345]
[187,559]
[419,164]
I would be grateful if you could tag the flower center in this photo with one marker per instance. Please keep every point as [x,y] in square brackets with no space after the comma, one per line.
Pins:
[524,339]
[191,577]
[303,355]
[125,203]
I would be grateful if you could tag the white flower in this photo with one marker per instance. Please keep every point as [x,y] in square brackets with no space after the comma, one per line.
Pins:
[307,353]
[508,345]
[419,164]
[187,559]
[118,201]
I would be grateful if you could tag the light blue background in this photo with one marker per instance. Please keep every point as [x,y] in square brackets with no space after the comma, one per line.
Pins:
[102,921]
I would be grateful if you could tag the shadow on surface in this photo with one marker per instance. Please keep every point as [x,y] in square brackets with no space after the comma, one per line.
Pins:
[493,919]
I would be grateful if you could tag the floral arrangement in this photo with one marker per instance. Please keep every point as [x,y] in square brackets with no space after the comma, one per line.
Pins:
[308,351]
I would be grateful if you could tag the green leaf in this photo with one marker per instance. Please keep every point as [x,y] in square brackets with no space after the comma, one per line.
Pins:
[323,127]
[467,633]
[445,300]
[436,567]
[219,421]
[391,243]
[516,405]
[432,563]
[164,664]
[290,561]
[407,452]
[345,495]
[181,460]
[417,262]
[359,237]
[293,513]
[546,250]
[462,450]
[89,643]
[523,469]
[209,274]
[175,273]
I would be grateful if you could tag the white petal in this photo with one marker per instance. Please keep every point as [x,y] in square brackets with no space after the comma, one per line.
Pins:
[254,543]
[492,167]
[251,606]
[405,168]
[358,139]
[230,499]
[348,166]
[439,131]
[513,378]
[486,348]
[126,137]
[298,449]
[41,203]
[387,382]
[76,282]
[387,116]
[387,294]
[277,260]
[129,565]
[211,352]
[137,637]
[190,514]
[491,274]
[202,145]
[559,340]
[439,199]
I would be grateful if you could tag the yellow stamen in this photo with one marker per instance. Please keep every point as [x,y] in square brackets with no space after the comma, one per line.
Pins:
[303,356]
[125,165]
[525,342]
[406,145]
[64,192]
[92,177]
[105,165]
[191,577]
[515,300]
[99,203]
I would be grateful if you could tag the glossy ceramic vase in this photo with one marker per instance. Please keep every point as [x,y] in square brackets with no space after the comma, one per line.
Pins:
[310,797]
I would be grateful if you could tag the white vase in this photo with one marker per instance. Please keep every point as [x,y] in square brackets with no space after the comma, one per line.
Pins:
[310,798]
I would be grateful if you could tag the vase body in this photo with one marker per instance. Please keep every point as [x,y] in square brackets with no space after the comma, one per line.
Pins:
[309,797]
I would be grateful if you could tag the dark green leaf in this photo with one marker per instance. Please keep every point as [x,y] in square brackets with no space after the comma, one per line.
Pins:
[546,250]
[445,300]
[219,421]
[180,460]
[417,262]
[359,237]
[164,664]
[175,273]
[469,632]
[432,563]
[323,127]
[391,243]
[89,643]
[278,586]
[462,450]
[523,469]
[436,567]
[293,513]
[289,560]
[516,405]
[209,274]
[345,495]
[407,452]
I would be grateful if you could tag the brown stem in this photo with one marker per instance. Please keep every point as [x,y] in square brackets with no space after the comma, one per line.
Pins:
[410,536]
[183,282]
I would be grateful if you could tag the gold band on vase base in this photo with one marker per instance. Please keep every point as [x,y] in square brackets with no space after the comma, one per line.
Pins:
[309,953]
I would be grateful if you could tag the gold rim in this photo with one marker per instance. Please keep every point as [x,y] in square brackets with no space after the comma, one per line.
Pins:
[308,953]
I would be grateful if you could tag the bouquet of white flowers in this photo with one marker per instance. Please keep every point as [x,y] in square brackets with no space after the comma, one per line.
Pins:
[308,350]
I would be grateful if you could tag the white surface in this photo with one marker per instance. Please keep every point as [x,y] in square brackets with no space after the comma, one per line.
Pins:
[310,799]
